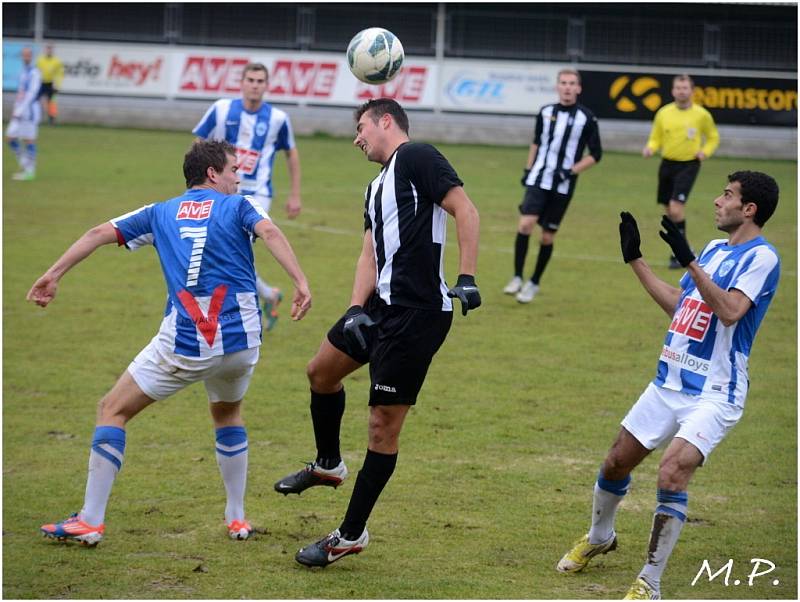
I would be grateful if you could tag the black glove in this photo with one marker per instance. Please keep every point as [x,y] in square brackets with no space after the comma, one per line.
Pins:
[467,291]
[354,320]
[673,237]
[629,237]
[563,174]
[524,177]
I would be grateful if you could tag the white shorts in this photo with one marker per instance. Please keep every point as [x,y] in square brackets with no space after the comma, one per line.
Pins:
[661,414]
[161,374]
[264,201]
[23,128]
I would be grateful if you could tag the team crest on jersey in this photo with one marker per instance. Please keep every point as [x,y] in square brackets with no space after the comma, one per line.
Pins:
[693,319]
[261,128]
[726,267]
[197,210]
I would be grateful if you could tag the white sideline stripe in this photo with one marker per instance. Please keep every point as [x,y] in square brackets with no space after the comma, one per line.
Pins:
[506,250]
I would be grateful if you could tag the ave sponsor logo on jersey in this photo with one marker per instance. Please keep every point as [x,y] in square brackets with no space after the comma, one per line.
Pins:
[212,74]
[247,160]
[196,210]
[302,78]
[693,319]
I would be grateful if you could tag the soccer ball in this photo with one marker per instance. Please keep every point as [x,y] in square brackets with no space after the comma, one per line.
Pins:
[375,55]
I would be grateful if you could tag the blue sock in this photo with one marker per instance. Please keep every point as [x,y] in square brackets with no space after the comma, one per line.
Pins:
[668,521]
[30,156]
[232,461]
[105,461]
[607,496]
[15,146]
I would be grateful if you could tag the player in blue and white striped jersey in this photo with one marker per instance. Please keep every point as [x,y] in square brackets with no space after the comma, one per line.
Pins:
[211,331]
[25,118]
[258,131]
[701,384]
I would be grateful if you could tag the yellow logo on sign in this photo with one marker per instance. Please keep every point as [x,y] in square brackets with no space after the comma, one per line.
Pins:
[644,90]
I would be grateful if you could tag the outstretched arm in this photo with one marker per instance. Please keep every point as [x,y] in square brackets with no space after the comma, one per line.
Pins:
[44,289]
[280,248]
[293,204]
[666,295]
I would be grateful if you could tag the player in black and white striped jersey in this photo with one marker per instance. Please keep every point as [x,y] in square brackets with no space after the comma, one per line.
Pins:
[563,131]
[400,314]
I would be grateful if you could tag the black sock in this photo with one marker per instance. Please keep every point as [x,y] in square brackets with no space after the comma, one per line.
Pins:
[681,227]
[326,415]
[545,251]
[520,252]
[372,478]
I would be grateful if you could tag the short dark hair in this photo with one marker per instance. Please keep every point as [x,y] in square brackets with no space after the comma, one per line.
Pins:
[378,107]
[255,67]
[202,155]
[758,188]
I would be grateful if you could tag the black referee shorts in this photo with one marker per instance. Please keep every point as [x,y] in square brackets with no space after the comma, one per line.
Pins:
[549,205]
[400,347]
[46,90]
[675,180]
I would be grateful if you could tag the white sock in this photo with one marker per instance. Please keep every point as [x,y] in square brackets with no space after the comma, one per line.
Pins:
[607,496]
[232,461]
[105,461]
[668,521]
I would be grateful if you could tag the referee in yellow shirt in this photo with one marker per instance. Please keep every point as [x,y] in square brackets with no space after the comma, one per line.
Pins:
[52,70]
[686,134]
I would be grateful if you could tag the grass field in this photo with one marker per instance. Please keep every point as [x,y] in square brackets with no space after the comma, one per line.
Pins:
[497,460]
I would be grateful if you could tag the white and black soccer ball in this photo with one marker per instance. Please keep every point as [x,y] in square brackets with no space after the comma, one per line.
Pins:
[375,55]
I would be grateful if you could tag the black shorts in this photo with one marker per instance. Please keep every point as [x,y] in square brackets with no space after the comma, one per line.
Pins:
[549,205]
[47,90]
[675,180]
[400,347]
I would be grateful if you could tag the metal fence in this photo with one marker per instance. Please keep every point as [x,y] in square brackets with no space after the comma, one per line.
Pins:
[741,36]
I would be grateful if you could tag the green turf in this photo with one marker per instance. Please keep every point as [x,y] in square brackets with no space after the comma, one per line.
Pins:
[497,460]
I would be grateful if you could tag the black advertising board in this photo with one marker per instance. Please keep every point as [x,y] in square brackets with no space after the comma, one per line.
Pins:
[731,100]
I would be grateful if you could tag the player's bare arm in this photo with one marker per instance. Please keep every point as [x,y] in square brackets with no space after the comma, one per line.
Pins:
[458,204]
[584,164]
[366,273]
[293,203]
[280,248]
[665,295]
[44,289]
[532,155]
[729,306]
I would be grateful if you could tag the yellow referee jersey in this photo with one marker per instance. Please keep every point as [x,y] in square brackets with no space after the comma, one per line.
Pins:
[52,69]
[678,132]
